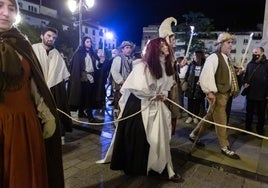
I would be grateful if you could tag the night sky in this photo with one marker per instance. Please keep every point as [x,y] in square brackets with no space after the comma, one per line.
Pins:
[127,17]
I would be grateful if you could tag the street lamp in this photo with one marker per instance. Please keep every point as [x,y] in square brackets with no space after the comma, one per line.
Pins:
[73,5]
[109,35]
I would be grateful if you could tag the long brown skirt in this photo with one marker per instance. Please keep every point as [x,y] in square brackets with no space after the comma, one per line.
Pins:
[22,148]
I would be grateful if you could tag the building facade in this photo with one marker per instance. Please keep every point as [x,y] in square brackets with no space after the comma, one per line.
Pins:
[237,53]
[40,16]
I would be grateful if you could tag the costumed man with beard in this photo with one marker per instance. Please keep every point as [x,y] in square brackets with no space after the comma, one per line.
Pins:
[165,31]
[81,88]
[56,74]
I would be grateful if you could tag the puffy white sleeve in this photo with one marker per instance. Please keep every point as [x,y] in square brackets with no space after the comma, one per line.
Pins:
[115,70]
[207,76]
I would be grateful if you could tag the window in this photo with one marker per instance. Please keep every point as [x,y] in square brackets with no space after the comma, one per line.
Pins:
[101,43]
[43,23]
[147,37]
[32,9]
[86,30]
[93,32]
[101,32]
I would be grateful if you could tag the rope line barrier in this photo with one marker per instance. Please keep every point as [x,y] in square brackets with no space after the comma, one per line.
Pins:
[174,103]
[217,124]
[107,122]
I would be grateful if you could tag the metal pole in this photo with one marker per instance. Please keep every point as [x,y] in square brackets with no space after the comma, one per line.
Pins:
[80,20]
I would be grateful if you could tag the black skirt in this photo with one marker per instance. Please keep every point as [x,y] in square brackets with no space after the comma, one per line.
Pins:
[131,148]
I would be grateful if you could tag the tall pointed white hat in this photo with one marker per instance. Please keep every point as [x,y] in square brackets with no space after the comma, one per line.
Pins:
[165,29]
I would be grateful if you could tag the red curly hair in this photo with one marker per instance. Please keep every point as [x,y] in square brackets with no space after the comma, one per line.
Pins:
[152,58]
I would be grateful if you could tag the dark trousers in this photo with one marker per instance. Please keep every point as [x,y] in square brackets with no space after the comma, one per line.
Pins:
[259,108]
[87,98]
[194,105]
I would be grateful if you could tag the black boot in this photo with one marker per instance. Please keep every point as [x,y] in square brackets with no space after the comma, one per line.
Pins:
[91,118]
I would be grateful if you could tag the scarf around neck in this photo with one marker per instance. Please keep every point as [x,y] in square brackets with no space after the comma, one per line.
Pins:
[11,71]
[14,43]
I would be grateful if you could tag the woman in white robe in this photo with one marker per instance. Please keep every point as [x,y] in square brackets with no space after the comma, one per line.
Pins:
[141,143]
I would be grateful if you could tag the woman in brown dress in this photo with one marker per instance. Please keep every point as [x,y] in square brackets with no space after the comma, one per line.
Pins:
[27,113]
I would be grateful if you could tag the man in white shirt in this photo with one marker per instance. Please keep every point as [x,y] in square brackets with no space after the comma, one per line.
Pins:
[218,81]
[120,69]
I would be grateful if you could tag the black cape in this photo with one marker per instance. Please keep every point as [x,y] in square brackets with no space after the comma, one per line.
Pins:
[53,144]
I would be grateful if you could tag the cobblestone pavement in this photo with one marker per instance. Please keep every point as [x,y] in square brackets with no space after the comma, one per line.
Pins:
[82,149]
[204,168]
